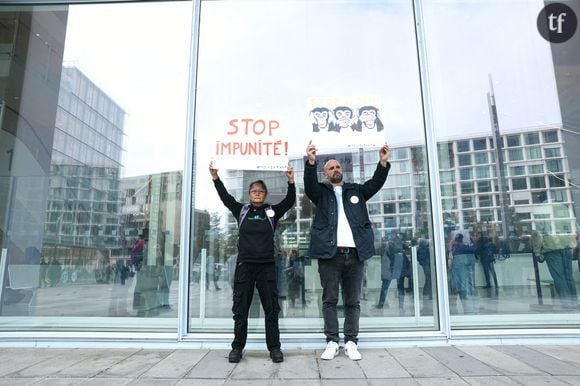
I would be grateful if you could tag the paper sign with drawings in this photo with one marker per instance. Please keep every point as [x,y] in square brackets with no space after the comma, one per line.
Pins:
[344,122]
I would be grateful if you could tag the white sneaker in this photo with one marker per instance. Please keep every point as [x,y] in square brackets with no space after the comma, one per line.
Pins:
[351,350]
[331,351]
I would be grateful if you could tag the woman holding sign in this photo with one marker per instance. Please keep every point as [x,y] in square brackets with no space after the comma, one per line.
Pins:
[255,265]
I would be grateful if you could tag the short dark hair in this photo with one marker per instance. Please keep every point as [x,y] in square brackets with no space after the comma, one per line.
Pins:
[258,182]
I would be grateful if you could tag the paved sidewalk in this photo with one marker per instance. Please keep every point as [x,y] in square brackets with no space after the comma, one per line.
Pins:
[448,365]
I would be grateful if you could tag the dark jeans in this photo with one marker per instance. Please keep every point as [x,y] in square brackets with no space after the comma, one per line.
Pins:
[215,275]
[463,274]
[263,277]
[560,266]
[427,289]
[385,287]
[347,271]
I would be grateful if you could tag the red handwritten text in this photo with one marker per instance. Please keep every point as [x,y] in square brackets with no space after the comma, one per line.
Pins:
[248,126]
[265,148]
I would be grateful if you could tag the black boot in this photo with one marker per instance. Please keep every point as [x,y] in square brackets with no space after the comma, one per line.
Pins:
[277,355]
[235,355]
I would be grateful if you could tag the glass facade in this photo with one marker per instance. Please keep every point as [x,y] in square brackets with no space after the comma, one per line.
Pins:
[518,268]
[109,221]
[91,192]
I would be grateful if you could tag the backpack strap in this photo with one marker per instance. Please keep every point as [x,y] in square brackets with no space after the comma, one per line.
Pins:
[243,214]
[246,209]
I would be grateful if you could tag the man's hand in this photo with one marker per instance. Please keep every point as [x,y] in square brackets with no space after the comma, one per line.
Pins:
[384,155]
[311,153]
[213,171]
[290,174]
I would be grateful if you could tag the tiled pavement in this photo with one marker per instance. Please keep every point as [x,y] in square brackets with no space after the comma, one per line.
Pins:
[445,365]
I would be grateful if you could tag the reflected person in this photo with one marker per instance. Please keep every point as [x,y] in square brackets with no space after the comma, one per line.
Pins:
[394,266]
[463,273]
[485,251]
[556,251]
[295,274]
[424,260]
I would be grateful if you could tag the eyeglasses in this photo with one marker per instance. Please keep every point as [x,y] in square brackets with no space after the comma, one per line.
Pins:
[258,191]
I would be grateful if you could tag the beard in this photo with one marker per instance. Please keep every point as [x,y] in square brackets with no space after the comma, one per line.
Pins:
[335,178]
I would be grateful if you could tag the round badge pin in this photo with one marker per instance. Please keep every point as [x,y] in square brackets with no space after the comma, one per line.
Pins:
[270,213]
[354,199]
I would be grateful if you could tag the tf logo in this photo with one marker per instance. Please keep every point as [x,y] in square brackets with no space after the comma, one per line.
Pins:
[557,22]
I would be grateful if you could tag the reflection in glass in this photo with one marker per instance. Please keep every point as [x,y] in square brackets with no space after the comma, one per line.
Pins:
[514,251]
[76,222]
[248,76]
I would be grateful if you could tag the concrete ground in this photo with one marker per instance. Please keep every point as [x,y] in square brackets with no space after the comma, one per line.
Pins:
[447,365]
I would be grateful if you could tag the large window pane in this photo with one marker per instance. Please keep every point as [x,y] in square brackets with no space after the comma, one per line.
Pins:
[280,60]
[93,122]
[530,115]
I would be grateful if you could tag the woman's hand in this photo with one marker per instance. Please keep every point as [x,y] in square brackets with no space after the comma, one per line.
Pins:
[290,174]
[213,171]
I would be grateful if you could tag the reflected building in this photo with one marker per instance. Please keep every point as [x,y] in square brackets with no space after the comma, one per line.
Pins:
[151,233]
[536,176]
[152,203]
[83,204]
[31,53]
[62,136]
[535,167]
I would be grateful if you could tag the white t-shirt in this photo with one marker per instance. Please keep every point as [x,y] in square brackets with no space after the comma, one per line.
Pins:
[343,232]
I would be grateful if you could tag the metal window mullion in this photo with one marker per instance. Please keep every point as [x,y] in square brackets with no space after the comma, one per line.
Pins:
[188,202]
[433,169]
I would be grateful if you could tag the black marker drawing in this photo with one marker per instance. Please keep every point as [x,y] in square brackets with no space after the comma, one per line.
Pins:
[368,119]
[321,120]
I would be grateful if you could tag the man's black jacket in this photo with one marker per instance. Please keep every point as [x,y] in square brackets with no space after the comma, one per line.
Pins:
[354,198]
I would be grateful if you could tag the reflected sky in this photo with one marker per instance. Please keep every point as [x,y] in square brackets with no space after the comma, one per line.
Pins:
[268,59]
[469,42]
[295,52]
[139,55]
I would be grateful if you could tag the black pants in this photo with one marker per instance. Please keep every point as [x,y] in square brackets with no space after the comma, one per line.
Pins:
[346,271]
[263,277]
[427,290]
[489,271]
